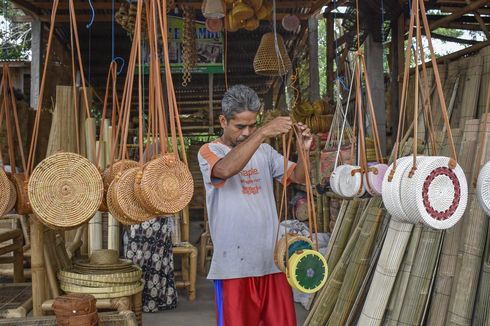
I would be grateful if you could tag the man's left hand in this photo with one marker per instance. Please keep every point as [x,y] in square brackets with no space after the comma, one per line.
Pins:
[304,133]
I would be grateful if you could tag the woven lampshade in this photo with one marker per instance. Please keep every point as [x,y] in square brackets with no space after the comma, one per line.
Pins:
[22,205]
[214,9]
[65,190]
[165,186]
[269,63]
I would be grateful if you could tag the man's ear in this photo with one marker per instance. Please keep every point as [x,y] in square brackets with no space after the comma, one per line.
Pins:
[222,120]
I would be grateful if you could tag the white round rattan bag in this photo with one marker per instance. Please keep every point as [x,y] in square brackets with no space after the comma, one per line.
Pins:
[440,193]
[390,190]
[483,188]
[374,178]
[351,184]
[334,179]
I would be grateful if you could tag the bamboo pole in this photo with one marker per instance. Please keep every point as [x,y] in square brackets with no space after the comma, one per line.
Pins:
[95,223]
[482,306]
[37,266]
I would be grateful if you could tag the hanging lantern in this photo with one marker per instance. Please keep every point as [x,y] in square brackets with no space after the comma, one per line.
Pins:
[213,9]
[267,61]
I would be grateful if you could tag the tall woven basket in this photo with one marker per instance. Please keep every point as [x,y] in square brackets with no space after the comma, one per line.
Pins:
[267,61]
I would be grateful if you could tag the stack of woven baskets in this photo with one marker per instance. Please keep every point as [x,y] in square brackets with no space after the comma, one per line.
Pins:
[104,276]
[312,115]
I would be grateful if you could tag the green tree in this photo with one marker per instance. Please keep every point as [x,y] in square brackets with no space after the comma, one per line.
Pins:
[15,38]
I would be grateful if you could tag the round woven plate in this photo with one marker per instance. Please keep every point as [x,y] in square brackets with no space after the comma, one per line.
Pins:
[12,198]
[132,275]
[126,199]
[390,190]
[166,185]
[408,189]
[441,193]
[114,208]
[375,179]
[483,188]
[307,271]
[350,185]
[118,167]
[22,206]
[4,191]
[65,190]
[108,294]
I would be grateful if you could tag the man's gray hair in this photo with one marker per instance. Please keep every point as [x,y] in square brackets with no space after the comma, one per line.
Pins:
[237,99]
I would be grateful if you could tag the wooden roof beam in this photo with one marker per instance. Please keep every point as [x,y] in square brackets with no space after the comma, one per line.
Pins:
[449,18]
[27,7]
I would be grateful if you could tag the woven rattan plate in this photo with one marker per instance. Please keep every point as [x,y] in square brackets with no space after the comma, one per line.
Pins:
[166,185]
[65,190]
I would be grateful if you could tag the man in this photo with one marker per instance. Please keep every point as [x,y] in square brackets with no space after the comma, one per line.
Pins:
[238,171]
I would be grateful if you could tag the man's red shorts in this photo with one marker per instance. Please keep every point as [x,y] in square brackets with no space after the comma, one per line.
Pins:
[254,301]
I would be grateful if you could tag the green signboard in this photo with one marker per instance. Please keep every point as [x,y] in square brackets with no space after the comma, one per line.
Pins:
[209,48]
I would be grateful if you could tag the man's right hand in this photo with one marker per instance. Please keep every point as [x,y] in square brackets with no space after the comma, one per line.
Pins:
[278,126]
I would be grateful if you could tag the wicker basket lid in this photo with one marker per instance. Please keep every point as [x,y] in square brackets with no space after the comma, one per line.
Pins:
[483,188]
[166,185]
[267,61]
[65,190]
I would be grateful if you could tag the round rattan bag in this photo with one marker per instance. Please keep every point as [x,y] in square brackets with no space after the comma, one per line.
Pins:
[165,186]
[4,190]
[22,206]
[483,188]
[65,190]
[374,178]
[12,198]
[350,182]
[335,179]
[294,243]
[440,193]
[118,167]
[113,206]
[390,189]
[126,199]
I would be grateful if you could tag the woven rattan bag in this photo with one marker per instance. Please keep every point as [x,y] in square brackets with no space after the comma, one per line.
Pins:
[483,188]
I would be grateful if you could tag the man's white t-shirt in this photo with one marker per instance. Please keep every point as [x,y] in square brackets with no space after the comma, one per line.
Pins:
[242,212]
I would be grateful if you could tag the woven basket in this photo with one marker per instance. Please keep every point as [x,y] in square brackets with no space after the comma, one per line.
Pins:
[114,208]
[441,193]
[12,198]
[269,63]
[4,191]
[483,188]
[104,277]
[65,190]
[74,305]
[351,185]
[126,199]
[22,206]
[165,186]
[375,177]
[107,292]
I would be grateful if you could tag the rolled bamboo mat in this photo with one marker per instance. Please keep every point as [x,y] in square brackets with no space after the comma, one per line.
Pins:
[386,270]
[344,225]
[464,288]
[393,310]
[357,267]
[326,299]
[418,288]
[482,306]
[360,210]
[452,237]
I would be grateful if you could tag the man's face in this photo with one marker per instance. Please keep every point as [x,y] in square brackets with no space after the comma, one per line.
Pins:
[238,128]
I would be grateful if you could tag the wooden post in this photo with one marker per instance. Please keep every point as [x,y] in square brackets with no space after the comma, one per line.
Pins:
[394,72]
[210,108]
[314,90]
[36,53]
[374,62]
[37,266]
[331,50]
[113,224]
